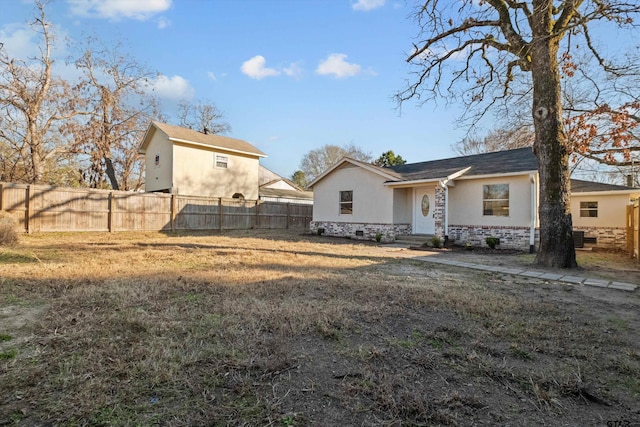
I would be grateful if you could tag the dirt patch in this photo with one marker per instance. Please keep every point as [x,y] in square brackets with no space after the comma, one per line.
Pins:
[283,329]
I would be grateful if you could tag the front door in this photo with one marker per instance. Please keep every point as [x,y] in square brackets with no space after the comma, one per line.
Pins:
[423,206]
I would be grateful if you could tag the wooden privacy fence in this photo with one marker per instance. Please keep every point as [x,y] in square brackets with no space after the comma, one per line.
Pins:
[633,230]
[40,208]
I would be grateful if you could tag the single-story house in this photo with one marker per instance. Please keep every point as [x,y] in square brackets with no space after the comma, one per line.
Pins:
[187,162]
[465,199]
[275,188]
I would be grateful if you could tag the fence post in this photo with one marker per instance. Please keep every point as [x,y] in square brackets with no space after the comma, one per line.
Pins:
[257,220]
[220,214]
[173,212]
[288,214]
[110,212]
[27,209]
[1,196]
[630,230]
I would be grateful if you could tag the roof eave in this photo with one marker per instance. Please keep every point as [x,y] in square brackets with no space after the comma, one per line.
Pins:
[631,192]
[353,162]
[496,175]
[231,150]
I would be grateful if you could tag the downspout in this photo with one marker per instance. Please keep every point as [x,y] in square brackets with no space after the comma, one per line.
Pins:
[532,232]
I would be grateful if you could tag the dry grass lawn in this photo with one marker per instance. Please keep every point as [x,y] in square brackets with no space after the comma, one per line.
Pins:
[265,328]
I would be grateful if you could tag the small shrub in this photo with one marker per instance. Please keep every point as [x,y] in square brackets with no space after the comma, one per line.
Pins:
[468,246]
[378,237]
[436,242]
[492,242]
[8,233]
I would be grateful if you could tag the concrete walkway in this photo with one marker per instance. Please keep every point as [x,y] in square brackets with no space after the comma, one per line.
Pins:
[533,273]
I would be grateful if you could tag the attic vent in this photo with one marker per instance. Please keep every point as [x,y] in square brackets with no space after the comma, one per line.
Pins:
[238,196]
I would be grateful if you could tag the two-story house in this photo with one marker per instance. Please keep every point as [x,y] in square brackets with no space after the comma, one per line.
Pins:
[184,161]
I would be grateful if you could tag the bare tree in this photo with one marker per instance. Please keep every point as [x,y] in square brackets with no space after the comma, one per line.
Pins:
[202,116]
[315,162]
[33,103]
[116,112]
[495,140]
[478,48]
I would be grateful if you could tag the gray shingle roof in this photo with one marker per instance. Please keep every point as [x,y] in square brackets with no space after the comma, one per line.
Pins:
[499,162]
[579,186]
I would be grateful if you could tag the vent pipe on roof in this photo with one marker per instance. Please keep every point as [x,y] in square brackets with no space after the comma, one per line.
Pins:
[205,131]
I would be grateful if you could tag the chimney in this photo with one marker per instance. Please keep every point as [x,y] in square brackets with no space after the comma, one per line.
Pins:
[629,180]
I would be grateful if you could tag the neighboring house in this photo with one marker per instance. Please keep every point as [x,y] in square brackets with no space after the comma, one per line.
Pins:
[465,199]
[598,210]
[184,161]
[274,188]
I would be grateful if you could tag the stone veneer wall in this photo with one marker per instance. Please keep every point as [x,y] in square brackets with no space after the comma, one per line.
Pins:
[606,237]
[510,237]
[438,212]
[369,231]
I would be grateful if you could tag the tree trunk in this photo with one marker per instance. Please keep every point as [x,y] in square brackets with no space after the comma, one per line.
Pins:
[111,173]
[551,148]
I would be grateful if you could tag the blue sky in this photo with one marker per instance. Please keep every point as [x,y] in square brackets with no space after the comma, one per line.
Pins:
[289,75]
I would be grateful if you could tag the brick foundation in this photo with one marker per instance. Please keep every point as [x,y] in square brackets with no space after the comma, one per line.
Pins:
[361,231]
[606,237]
[510,237]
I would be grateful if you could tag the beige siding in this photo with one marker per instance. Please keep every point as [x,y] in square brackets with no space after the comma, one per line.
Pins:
[195,173]
[402,205]
[372,201]
[612,210]
[465,202]
[158,178]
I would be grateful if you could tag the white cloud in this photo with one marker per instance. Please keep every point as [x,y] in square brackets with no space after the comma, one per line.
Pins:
[212,75]
[293,70]
[174,88]
[366,5]
[19,41]
[163,23]
[256,69]
[336,65]
[119,9]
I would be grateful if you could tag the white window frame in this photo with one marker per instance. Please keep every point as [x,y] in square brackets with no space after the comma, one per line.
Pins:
[586,209]
[495,201]
[219,159]
[347,205]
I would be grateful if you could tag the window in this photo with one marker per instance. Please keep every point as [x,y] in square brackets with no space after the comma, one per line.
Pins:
[222,161]
[346,202]
[157,160]
[588,209]
[495,200]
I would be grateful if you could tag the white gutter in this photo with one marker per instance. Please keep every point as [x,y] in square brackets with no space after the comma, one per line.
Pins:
[632,193]
[495,175]
[532,231]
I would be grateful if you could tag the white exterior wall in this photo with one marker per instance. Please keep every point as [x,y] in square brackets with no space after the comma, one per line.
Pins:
[465,202]
[372,201]
[402,205]
[281,185]
[195,173]
[612,210]
[158,178]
